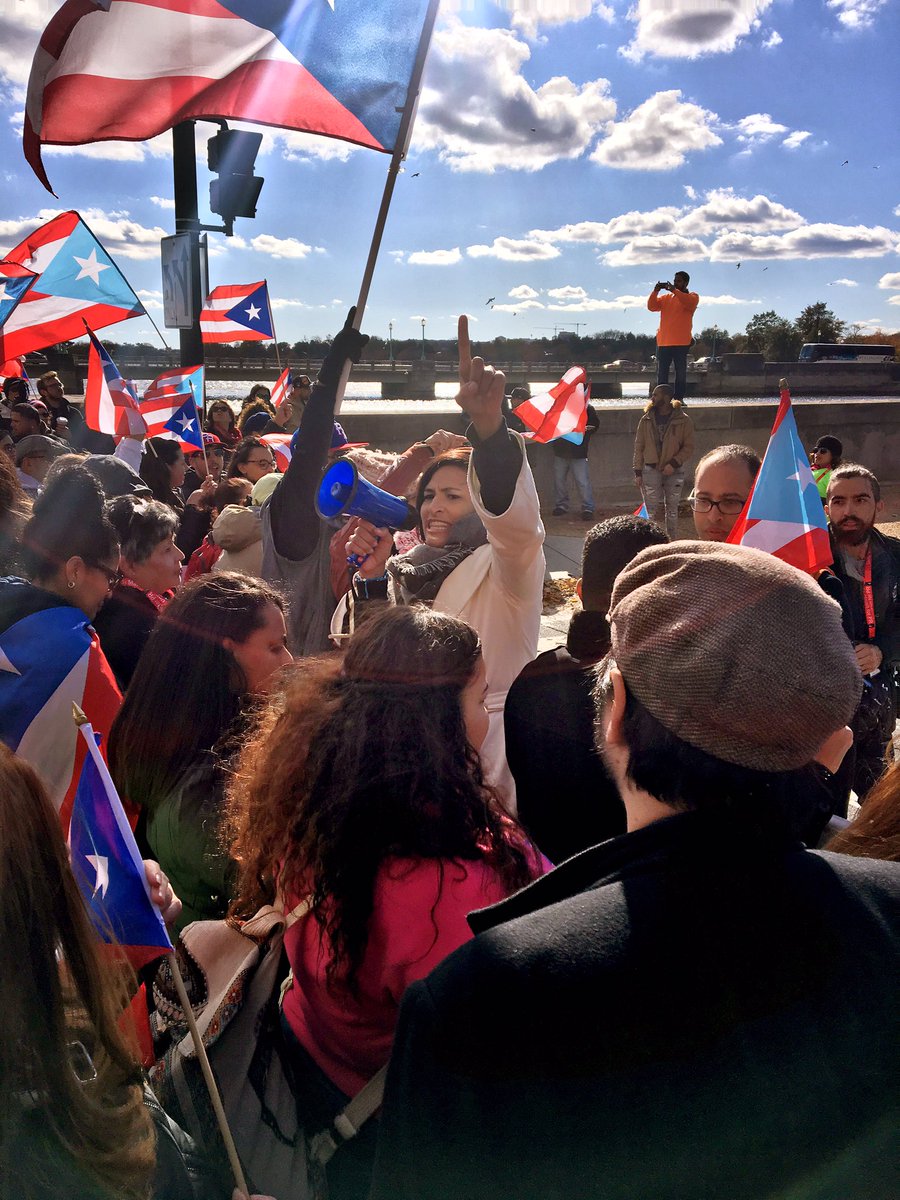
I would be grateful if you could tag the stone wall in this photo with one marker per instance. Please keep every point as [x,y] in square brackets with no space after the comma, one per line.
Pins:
[870,431]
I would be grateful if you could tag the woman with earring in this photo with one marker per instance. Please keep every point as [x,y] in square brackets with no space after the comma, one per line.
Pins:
[49,651]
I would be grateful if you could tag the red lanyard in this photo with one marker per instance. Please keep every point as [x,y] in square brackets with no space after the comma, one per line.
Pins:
[868,599]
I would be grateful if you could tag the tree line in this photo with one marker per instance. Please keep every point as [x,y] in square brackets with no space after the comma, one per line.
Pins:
[767,333]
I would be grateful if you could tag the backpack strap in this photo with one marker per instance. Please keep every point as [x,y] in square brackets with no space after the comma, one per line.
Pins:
[349,1121]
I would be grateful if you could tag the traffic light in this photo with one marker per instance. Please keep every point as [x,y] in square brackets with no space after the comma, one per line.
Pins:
[231,155]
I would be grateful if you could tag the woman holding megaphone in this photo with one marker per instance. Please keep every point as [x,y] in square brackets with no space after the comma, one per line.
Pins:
[481,557]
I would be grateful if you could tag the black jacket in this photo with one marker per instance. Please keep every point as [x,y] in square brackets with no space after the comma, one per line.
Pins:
[693,1011]
[885,593]
[565,798]
[123,625]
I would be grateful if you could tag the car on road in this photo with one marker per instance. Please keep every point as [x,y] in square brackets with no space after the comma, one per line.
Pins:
[703,364]
[622,364]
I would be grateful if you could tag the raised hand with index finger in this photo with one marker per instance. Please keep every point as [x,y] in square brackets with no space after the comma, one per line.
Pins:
[481,387]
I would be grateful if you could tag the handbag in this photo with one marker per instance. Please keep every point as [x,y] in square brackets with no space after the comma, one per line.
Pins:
[233,974]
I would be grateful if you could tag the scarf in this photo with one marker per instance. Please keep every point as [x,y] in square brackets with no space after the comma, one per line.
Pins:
[417,575]
[159,600]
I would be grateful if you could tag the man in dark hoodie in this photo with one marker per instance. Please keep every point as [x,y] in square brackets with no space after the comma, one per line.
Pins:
[566,798]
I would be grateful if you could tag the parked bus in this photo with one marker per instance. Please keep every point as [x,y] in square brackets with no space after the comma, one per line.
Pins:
[845,352]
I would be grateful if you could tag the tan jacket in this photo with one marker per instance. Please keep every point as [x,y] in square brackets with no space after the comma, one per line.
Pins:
[677,444]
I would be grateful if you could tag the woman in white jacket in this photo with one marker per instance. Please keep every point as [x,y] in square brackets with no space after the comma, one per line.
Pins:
[481,557]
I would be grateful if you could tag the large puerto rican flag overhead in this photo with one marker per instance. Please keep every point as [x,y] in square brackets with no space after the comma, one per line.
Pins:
[77,282]
[784,514]
[130,69]
[237,312]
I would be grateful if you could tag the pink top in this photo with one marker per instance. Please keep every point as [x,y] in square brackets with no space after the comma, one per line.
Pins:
[415,924]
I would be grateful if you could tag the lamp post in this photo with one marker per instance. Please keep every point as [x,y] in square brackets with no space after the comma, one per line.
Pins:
[390,341]
[715,335]
[423,339]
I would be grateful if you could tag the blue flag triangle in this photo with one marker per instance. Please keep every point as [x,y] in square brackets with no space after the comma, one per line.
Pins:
[253,312]
[186,424]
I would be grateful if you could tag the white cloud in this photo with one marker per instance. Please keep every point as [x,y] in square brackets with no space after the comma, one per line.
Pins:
[150,299]
[591,304]
[891,280]
[120,235]
[480,114]
[690,192]
[162,202]
[515,250]
[897,211]
[266,243]
[618,229]
[20,28]
[288,302]
[691,27]
[724,210]
[658,135]
[523,292]
[667,248]
[304,147]
[758,127]
[812,241]
[521,306]
[529,16]
[856,14]
[435,258]
[795,139]
[398,256]
[893,299]
[774,39]
[567,293]
[851,282]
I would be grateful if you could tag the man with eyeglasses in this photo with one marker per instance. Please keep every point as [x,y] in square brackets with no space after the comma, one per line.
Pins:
[34,454]
[722,483]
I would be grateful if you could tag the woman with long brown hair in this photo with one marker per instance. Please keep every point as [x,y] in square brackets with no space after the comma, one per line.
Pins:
[361,789]
[72,1122]
[875,831]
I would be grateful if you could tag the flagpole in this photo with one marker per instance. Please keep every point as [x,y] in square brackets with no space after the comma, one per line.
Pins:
[209,1078]
[272,323]
[85,729]
[400,148]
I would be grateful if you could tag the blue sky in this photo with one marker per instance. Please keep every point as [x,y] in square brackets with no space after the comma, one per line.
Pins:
[567,154]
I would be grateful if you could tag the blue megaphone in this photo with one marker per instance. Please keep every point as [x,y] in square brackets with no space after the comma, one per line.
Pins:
[343,490]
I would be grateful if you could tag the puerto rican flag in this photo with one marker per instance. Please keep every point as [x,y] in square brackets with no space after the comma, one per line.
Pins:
[184,423]
[107,864]
[237,312]
[784,514]
[282,388]
[77,283]
[559,413]
[110,402]
[130,69]
[166,397]
[281,446]
[15,281]
[48,660]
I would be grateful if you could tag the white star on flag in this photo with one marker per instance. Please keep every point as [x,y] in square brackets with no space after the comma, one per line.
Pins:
[100,863]
[798,474]
[186,423]
[6,665]
[3,293]
[252,312]
[90,268]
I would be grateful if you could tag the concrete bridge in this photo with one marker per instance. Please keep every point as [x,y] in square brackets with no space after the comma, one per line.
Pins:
[737,375]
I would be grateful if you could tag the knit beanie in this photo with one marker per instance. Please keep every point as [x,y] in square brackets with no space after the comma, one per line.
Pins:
[734,651]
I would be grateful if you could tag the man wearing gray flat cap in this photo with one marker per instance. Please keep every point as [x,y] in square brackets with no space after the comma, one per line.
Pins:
[699,1009]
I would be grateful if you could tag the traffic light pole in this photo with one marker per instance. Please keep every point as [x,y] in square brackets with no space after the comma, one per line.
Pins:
[187,220]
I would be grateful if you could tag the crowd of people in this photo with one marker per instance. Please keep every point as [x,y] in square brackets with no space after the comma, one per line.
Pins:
[576,902]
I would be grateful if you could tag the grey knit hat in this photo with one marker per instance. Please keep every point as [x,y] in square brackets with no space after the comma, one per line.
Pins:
[734,652]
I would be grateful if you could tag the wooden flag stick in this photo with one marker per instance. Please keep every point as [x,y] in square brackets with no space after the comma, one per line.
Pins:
[403,136]
[208,1077]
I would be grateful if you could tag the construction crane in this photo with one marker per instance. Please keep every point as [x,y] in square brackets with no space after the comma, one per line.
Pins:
[558,329]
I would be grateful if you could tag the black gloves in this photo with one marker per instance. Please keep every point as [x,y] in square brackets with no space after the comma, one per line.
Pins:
[348,344]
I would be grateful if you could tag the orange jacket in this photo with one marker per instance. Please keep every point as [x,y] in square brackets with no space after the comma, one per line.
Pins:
[676,311]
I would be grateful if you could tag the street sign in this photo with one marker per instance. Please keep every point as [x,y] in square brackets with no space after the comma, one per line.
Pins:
[179,302]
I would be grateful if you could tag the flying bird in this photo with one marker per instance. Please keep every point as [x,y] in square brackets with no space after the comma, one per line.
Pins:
[490,300]
[738,266]
[765,268]
[415,175]
[845,162]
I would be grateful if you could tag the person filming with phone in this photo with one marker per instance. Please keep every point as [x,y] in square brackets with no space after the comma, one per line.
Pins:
[674,336]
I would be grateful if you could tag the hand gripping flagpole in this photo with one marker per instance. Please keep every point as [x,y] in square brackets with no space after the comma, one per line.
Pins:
[400,148]
[84,727]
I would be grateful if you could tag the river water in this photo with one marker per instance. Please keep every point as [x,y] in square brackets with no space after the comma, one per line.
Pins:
[365,398]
